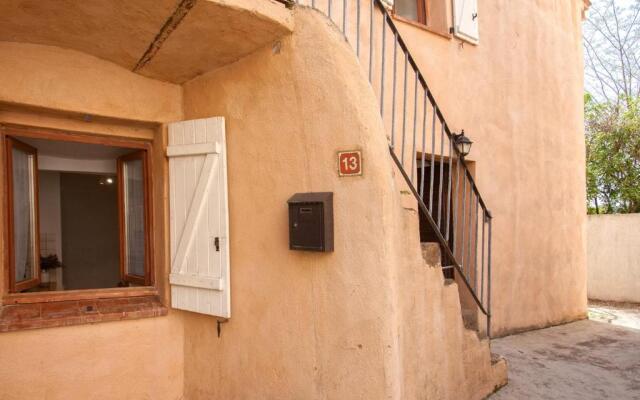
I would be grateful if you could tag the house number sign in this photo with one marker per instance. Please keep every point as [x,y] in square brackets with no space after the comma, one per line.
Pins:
[350,163]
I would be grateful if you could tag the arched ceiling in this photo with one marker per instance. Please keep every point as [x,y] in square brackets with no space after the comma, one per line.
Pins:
[169,40]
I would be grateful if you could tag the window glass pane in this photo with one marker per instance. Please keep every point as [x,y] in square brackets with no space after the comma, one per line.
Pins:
[24,235]
[133,175]
[407,9]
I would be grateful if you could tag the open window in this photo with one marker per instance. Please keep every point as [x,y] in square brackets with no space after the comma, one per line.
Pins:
[79,213]
[431,14]
[412,10]
[22,181]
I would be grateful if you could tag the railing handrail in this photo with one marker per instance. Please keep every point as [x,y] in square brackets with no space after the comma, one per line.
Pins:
[423,82]
[449,255]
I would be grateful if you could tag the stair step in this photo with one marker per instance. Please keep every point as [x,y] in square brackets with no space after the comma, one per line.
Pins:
[496,358]
[470,319]
[431,254]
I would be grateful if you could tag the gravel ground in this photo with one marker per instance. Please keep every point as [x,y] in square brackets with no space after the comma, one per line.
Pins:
[591,359]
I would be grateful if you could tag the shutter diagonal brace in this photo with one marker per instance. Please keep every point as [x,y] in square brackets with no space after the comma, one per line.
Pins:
[195,210]
[461,16]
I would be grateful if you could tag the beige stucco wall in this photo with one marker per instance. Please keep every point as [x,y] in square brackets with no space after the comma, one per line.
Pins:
[518,95]
[369,320]
[613,257]
[51,87]
[139,359]
[67,80]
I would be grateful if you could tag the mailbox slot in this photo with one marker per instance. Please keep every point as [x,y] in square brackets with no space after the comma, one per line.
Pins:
[311,221]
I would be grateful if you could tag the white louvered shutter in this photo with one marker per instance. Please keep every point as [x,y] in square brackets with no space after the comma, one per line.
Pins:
[465,16]
[199,217]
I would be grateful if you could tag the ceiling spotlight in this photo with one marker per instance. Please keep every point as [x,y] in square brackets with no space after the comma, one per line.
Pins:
[106,180]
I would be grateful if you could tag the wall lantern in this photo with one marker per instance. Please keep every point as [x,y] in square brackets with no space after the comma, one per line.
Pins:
[463,143]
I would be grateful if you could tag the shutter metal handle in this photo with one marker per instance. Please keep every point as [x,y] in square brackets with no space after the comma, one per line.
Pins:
[216,242]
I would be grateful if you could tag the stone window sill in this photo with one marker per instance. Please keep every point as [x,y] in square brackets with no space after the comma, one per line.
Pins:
[77,312]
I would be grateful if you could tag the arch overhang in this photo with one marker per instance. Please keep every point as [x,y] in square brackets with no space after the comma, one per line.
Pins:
[168,40]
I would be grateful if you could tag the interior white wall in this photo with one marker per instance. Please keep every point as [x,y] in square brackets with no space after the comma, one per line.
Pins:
[50,219]
[56,163]
[50,212]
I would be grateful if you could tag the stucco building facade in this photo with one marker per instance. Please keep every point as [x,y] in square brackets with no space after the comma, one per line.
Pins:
[211,302]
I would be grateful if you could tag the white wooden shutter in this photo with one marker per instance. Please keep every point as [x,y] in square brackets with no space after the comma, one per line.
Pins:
[465,17]
[199,217]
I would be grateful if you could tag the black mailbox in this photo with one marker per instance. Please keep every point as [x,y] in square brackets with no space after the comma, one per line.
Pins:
[311,221]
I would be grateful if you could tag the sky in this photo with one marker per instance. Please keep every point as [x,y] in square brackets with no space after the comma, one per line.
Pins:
[621,2]
[590,82]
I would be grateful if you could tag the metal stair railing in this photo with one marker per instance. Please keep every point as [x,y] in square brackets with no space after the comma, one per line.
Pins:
[419,139]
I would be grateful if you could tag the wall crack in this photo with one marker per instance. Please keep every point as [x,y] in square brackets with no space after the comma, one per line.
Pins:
[169,26]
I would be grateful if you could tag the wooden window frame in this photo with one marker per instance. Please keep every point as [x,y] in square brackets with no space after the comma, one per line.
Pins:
[148,256]
[9,294]
[14,286]
[422,11]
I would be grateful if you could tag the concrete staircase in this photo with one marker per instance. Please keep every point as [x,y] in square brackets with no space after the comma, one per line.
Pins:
[485,371]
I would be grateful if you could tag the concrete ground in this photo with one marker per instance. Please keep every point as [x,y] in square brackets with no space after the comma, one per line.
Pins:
[591,359]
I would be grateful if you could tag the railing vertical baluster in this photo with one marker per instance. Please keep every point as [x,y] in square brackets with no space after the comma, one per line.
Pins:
[415,111]
[440,183]
[404,108]
[384,20]
[357,29]
[344,18]
[313,3]
[424,142]
[433,156]
[449,186]
[393,91]
[464,216]
[371,43]
[475,249]
[484,224]
[470,238]
[455,207]
[488,309]
[329,9]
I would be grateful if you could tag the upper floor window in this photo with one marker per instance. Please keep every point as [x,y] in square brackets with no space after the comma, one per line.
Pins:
[444,17]
[413,10]
[433,14]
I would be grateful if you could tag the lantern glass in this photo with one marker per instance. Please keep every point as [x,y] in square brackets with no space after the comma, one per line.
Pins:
[463,144]
[466,148]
